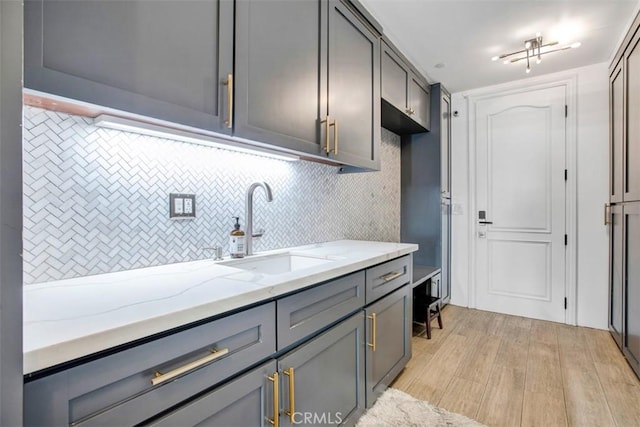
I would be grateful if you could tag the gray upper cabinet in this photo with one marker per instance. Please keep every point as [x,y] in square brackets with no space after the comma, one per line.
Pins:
[279,46]
[632,121]
[168,60]
[419,101]
[405,94]
[616,134]
[307,79]
[352,129]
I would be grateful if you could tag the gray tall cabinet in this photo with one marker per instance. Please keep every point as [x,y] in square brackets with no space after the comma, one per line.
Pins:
[425,198]
[623,211]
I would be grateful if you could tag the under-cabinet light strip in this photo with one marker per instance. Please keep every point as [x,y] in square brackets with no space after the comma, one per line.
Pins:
[143,128]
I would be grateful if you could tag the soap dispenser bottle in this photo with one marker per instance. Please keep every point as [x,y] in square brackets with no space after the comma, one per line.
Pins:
[236,240]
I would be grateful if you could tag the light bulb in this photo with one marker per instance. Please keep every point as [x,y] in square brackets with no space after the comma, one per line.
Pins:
[506,61]
[576,44]
[495,58]
[539,60]
[528,70]
[527,45]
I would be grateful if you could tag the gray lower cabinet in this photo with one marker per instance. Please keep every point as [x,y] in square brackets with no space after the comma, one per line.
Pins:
[246,401]
[384,278]
[322,382]
[388,340]
[304,313]
[168,60]
[129,387]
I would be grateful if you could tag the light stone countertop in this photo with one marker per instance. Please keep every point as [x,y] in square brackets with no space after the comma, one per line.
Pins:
[68,319]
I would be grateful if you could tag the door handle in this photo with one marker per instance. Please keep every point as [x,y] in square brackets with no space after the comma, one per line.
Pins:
[485,222]
[275,422]
[292,395]
[229,85]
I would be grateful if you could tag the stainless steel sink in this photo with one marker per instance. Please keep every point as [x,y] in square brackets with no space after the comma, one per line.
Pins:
[276,263]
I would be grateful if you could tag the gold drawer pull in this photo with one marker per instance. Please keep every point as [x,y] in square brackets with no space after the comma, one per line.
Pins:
[373,332]
[160,377]
[389,277]
[327,148]
[292,395]
[276,404]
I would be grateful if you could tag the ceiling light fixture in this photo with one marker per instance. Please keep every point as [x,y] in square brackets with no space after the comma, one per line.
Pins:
[533,48]
[150,129]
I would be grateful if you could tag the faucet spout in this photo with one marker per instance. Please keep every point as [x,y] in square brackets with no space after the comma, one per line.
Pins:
[249,212]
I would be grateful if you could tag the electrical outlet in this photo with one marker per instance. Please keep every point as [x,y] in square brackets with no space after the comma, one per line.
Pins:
[182,206]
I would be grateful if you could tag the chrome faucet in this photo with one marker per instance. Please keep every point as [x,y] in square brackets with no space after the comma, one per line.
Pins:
[249,213]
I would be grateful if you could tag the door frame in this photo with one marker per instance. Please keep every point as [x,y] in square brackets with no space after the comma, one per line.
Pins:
[571,221]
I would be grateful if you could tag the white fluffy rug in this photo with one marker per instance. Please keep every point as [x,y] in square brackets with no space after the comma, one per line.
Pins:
[396,408]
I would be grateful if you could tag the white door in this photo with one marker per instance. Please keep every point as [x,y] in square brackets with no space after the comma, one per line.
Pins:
[520,187]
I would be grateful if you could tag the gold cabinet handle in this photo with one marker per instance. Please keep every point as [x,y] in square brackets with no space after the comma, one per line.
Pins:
[276,404]
[606,213]
[292,394]
[326,121]
[410,111]
[372,344]
[160,377]
[335,137]
[229,84]
[389,277]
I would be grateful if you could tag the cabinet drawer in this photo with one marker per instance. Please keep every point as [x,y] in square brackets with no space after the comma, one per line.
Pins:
[309,311]
[118,389]
[245,401]
[384,278]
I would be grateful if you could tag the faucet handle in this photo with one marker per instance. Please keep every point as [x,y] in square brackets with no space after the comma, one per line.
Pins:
[217,252]
[259,233]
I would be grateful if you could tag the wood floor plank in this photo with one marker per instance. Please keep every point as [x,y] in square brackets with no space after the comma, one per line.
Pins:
[477,365]
[584,398]
[624,402]
[543,367]
[509,371]
[502,400]
[544,409]
[463,397]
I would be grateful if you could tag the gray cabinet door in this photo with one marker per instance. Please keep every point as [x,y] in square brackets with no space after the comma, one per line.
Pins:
[278,57]
[162,59]
[353,88]
[394,78]
[327,377]
[419,101]
[616,134]
[245,401]
[616,247]
[632,138]
[631,298]
[388,340]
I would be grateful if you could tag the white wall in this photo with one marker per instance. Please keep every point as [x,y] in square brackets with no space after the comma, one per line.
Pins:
[592,190]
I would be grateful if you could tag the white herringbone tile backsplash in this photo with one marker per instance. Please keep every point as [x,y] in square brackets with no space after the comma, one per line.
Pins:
[97,200]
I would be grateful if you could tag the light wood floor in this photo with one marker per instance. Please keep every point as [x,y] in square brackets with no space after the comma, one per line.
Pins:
[512,371]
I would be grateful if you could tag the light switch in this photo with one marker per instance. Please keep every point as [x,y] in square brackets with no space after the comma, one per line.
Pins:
[177,205]
[182,206]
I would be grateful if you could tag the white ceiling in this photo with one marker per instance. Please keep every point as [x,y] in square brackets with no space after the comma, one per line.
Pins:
[464,35]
